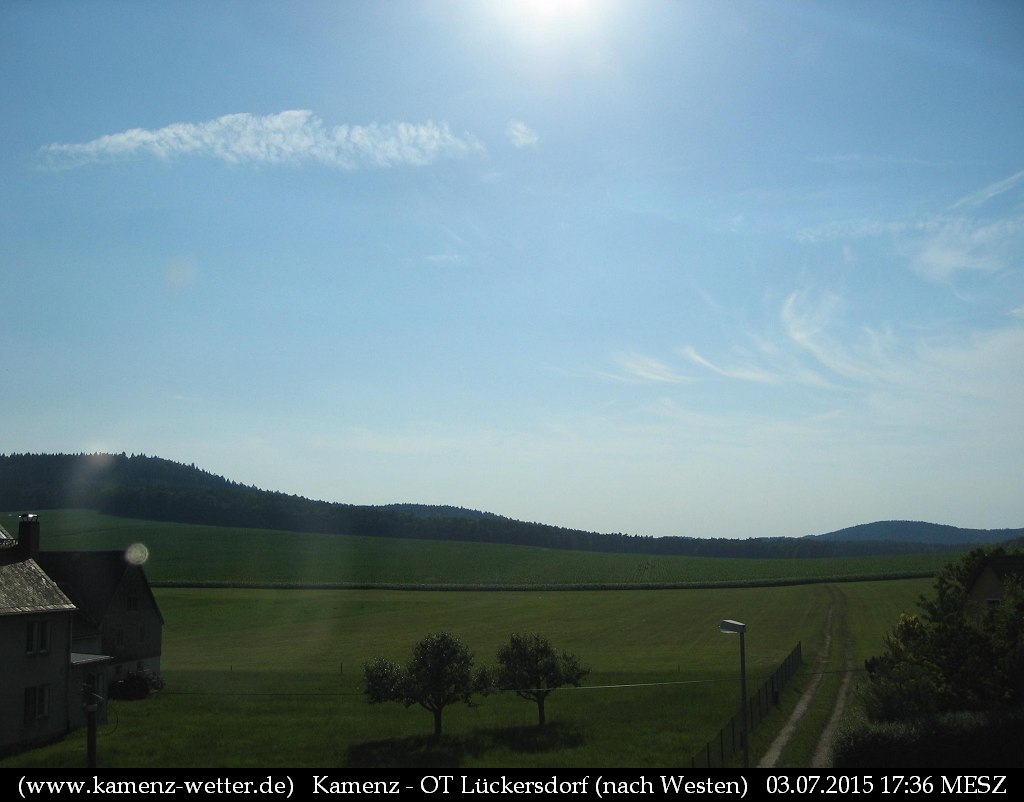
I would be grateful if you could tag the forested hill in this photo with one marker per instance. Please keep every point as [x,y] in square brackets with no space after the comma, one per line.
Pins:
[920,531]
[158,489]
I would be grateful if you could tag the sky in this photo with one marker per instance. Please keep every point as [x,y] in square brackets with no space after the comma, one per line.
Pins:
[711,269]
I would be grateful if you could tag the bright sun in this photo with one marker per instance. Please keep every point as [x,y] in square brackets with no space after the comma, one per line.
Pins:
[543,19]
[551,10]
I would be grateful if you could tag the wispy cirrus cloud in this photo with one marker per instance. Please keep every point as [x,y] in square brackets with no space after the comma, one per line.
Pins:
[971,236]
[641,368]
[289,137]
[991,191]
[873,160]
[520,134]
[854,229]
[932,386]
[961,244]
[744,373]
[811,323]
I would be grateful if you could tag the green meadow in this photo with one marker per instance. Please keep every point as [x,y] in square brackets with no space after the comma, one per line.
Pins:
[271,676]
[262,678]
[213,554]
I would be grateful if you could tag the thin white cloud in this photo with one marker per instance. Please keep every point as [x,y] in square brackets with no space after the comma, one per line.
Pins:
[991,191]
[930,389]
[747,373]
[965,245]
[290,137]
[809,323]
[520,134]
[873,160]
[644,368]
[853,229]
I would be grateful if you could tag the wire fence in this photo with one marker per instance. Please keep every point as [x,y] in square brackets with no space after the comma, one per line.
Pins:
[720,749]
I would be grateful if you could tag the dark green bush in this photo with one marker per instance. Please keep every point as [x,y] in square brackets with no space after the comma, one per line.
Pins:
[942,741]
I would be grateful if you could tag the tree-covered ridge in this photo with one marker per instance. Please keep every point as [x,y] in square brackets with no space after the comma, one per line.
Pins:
[919,531]
[152,488]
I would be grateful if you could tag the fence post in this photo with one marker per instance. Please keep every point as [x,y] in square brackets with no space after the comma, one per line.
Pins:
[761,704]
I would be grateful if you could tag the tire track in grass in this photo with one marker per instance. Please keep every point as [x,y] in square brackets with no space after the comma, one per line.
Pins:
[823,753]
[774,751]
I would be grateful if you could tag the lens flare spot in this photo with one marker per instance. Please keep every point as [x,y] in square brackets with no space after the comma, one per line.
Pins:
[136,554]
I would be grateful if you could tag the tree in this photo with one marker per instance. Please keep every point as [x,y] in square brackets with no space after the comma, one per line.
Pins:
[953,655]
[439,674]
[530,666]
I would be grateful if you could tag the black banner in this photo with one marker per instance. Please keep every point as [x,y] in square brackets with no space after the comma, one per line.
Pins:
[596,784]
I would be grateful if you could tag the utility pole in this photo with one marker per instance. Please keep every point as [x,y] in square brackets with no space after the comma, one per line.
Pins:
[89,702]
[730,627]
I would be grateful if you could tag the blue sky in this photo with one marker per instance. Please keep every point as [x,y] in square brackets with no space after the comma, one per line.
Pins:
[665,268]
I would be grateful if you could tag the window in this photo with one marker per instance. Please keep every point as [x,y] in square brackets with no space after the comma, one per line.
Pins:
[37,637]
[132,604]
[37,703]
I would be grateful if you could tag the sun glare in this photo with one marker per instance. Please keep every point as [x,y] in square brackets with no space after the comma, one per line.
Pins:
[551,10]
[545,19]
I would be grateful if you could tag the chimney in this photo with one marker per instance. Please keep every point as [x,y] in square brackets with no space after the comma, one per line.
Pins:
[28,535]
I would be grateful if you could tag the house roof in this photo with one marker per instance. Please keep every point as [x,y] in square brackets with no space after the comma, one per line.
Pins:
[25,587]
[82,659]
[1005,565]
[90,578]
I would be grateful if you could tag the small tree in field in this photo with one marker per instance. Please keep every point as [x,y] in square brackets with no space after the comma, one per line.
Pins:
[439,674]
[530,666]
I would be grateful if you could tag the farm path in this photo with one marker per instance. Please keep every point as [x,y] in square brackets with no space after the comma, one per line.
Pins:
[821,754]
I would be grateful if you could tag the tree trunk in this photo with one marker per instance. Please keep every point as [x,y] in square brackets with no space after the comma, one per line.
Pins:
[437,722]
[540,711]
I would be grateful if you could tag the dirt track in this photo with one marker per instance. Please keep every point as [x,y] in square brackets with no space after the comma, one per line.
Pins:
[822,753]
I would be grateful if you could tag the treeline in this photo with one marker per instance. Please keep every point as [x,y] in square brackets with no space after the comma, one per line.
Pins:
[139,486]
[948,689]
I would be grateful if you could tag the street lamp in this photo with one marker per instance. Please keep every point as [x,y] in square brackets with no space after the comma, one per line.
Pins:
[730,627]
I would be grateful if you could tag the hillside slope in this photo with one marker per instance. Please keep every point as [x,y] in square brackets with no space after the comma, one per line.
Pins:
[157,489]
[919,532]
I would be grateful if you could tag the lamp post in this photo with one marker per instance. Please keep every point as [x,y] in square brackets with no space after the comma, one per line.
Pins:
[730,627]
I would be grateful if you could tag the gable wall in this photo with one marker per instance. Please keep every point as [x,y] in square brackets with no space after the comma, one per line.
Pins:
[132,628]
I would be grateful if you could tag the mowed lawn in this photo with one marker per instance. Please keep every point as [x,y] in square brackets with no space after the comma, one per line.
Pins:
[273,677]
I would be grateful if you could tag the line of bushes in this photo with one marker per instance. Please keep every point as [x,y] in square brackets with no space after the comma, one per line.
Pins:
[948,690]
[967,739]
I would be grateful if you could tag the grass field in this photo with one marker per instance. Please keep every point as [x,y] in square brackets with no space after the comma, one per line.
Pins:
[272,677]
[182,552]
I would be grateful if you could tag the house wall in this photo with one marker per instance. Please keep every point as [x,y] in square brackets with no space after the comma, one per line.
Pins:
[987,586]
[132,627]
[42,668]
[85,637]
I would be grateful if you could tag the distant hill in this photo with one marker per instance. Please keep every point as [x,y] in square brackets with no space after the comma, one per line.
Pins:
[919,532]
[152,488]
